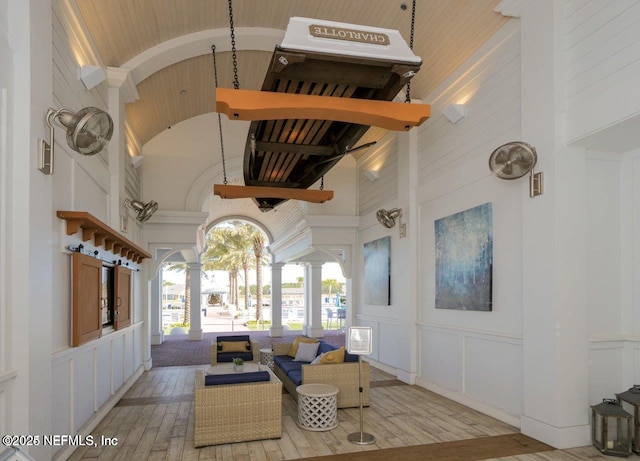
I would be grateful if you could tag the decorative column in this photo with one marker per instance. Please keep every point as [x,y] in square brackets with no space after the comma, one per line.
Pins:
[195,331]
[157,334]
[313,300]
[276,329]
[555,320]
[121,90]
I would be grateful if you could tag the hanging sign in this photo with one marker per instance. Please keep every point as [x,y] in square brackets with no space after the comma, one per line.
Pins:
[351,35]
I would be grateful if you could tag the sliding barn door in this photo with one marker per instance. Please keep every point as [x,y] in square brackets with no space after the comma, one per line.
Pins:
[122,289]
[87,287]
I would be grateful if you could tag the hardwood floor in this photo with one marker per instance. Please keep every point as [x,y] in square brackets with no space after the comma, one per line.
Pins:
[154,421]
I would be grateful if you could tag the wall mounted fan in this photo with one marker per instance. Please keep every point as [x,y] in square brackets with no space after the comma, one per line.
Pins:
[88,131]
[514,160]
[143,210]
[388,217]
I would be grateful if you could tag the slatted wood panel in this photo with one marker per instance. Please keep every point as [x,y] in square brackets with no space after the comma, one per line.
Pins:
[447,33]
[322,143]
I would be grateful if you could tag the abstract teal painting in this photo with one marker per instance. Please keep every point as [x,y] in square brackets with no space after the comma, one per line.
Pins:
[464,260]
[377,272]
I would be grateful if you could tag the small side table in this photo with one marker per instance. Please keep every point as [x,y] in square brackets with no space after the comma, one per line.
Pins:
[266,357]
[317,407]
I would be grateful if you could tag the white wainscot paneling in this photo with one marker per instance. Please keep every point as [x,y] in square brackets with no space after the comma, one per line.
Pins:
[606,361]
[118,363]
[83,387]
[605,255]
[7,381]
[390,347]
[61,402]
[440,359]
[137,349]
[103,372]
[493,373]
[128,355]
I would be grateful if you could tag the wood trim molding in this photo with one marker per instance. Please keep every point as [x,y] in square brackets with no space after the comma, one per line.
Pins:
[290,193]
[102,235]
[267,105]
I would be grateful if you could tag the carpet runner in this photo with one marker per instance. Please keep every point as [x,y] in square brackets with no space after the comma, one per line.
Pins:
[461,450]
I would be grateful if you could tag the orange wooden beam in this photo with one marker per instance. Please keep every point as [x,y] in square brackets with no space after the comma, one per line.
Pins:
[266,105]
[287,193]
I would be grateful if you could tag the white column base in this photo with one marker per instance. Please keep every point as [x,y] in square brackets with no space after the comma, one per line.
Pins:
[276,331]
[313,332]
[195,335]
[558,437]
[157,338]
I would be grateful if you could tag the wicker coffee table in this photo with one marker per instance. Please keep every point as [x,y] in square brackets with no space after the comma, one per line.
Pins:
[317,407]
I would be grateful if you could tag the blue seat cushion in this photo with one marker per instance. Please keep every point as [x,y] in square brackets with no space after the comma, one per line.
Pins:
[295,376]
[235,378]
[280,359]
[288,367]
[229,356]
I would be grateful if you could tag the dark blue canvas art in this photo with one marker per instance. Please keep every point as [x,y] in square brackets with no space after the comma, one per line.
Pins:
[377,275]
[464,260]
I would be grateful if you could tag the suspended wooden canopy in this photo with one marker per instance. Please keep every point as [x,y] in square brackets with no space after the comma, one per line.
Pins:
[327,102]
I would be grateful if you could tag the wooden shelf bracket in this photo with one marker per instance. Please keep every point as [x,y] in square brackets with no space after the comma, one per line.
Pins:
[103,235]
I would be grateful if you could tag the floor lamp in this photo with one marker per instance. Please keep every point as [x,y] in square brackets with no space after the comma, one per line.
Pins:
[359,343]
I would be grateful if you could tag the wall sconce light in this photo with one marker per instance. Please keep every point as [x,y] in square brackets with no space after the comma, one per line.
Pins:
[454,112]
[91,76]
[372,175]
[144,210]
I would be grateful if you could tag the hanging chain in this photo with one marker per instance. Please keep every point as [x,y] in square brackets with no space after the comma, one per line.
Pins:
[215,77]
[413,22]
[236,83]
[322,183]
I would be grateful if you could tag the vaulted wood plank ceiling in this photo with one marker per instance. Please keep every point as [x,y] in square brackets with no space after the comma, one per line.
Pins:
[447,33]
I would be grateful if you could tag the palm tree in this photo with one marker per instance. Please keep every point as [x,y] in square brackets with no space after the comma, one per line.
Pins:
[184,267]
[236,248]
[223,252]
[258,241]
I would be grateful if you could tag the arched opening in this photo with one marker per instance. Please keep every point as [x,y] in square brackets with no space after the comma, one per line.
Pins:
[235,295]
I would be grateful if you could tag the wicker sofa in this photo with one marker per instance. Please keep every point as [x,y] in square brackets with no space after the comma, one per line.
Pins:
[343,375]
[229,413]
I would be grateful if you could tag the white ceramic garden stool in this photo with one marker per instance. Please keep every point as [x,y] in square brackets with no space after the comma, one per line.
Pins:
[317,407]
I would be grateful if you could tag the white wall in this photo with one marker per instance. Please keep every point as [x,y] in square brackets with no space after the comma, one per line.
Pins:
[87,380]
[476,357]
[564,263]
[602,68]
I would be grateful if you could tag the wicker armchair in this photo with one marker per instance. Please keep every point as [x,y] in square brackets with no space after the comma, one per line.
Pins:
[217,356]
[229,413]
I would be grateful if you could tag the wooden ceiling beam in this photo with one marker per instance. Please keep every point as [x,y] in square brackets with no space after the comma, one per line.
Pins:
[287,193]
[266,105]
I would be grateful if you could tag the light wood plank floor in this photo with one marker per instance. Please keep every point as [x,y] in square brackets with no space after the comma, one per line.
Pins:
[154,421]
